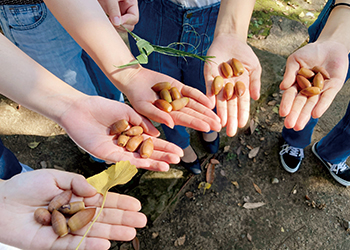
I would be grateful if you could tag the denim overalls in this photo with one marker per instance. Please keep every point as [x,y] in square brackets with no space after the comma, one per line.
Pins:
[163,22]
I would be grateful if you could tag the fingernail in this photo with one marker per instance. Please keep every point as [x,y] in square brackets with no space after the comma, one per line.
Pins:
[116,21]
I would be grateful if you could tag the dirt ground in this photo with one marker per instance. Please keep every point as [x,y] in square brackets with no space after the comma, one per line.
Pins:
[253,202]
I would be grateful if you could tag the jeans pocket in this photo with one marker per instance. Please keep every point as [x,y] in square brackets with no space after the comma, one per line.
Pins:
[25,17]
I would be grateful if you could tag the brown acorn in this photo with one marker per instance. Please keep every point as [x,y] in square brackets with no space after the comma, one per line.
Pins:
[81,219]
[228,91]
[322,70]
[59,200]
[305,72]
[146,148]
[135,130]
[318,81]
[237,67]
[303,83]
[122,140]
[239,88]
[217,85]
[175,93]
[180,103]
[161,85]
[165,95]
[226,70]
[163,105]
[72,207]
[42,216]
[119,127]
[134,143]
[310,91]
[59,223]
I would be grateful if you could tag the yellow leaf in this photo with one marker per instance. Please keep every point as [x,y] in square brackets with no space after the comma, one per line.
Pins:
[117,174]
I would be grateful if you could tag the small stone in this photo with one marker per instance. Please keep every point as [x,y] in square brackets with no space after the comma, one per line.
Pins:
[274,180]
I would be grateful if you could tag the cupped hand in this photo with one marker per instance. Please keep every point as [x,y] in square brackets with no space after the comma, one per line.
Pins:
[233,113]
[197,114]
[121,12]
[88,122]
[24,193]
[298,108]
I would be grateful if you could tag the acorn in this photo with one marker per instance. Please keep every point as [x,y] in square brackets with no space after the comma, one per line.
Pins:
[175,93]
[161,85]
[59,200]
[180,103]
[119,127]
[146,148]
[72,207]
[42,216]
[59,223]
[135,130]
[134,143]
[81,219]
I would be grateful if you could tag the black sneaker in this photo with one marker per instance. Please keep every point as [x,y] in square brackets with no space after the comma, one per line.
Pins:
[291,157]
[340,171]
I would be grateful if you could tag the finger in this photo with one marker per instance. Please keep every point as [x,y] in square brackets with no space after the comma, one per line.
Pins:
[221,108]
[71,241]
[113,11]
[255,83]
[122,218]
[287,101]
[305,113]
[76,183]
[324,102]
[290,73]
[243,109]
[232,121]
[292,117]
[203,110]
[196,95]
[114,200]
[155,114]
[148,127]
[168,147]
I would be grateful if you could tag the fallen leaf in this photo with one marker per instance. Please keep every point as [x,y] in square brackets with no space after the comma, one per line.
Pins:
[33,144]
[155,235]
[210,175]
[136,243]
[275,109]
[204,185]
[252,126]
[252,205]
[222,172]
[272,103]
[214,161]
[226,149]
[257,188]
[180,241]
[119,173]
[254,152]
[189,194]
[249,237]
[239,150]
[235,183]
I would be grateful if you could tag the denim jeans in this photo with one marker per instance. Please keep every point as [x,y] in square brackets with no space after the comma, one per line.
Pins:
[163,22]
[335,146]
[34,30]
[9,165]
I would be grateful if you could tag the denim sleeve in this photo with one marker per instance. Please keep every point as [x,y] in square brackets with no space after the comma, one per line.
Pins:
[316,28]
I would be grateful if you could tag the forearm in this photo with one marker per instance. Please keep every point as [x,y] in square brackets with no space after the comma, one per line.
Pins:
[337,26]
[26,82]
[234,18]
[90,27]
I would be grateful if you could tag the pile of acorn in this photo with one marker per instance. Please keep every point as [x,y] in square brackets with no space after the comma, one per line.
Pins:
[60,210]
[229,70]
[131,138]
[170,97]
[310,82]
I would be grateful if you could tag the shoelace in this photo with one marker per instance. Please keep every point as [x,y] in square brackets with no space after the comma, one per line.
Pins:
[339,167]
[293,151]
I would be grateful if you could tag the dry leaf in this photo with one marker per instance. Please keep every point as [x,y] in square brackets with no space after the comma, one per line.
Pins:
[226,149]
[180,241]
[252,205]
[253,152]
[204,185]
[252,126]
[272,103]
[136,243]
[249,237]
[257,188]
[214,161]
[210,173]
[235,183]
[117,174]
[155,235]
[33,144]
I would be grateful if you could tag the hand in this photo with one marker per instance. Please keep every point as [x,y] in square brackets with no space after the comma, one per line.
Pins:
[88,123]
[197,114]
[233,113]
[24,193]
[298,108]
[125,12]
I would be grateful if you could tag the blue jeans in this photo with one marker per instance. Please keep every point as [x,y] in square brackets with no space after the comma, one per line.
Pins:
[163,22]
[36,31]
[9,165]
[335,146]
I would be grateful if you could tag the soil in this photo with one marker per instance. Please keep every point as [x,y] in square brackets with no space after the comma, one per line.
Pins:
[304,210]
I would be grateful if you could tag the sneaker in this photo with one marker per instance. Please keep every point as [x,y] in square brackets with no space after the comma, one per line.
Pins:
[291,157]
[340,171]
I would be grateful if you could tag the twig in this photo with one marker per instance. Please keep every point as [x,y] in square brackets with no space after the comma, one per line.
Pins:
[289,236]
